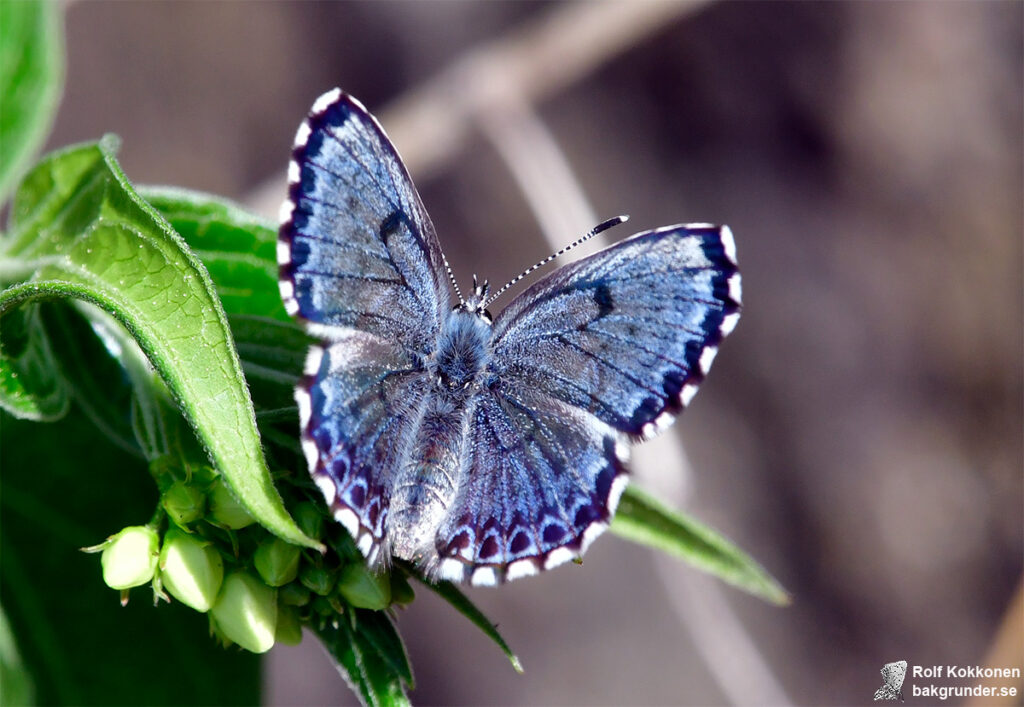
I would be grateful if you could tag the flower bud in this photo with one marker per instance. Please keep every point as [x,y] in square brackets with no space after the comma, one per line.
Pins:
[191,570]
[364,589]
[294,594]
[246,612]
[129,558]
[225,510]
[184,504]
[289,628]
[318,579]
[277,561]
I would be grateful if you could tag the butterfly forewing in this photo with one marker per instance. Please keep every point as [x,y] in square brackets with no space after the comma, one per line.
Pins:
[356,248]
[361,266]
[628,333]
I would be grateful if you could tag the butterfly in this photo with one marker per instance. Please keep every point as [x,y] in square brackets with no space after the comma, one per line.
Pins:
[893,674]
[479,448]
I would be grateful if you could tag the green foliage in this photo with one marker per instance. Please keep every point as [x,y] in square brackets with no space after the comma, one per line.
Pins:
[80,231]
[64,489]
[645,520]
[451,594]
[370,655]
[15,682]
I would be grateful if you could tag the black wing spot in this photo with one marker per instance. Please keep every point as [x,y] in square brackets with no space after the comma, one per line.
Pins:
[391,223]
[603,299]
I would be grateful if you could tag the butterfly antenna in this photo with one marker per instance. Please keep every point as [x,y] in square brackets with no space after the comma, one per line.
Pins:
[599,228]
[451,277]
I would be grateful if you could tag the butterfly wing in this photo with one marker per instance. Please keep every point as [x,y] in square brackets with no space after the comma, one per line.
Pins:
[608,348]
[540,481]
[356,248]
[628,333]
[361,267]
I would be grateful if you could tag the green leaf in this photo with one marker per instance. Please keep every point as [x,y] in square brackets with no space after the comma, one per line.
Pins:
[31,74]
[16,686]
[645,520]
[31,386]
[380,632]
[368,658]
[451,594]
[238,249]
[81,231]
[96,380]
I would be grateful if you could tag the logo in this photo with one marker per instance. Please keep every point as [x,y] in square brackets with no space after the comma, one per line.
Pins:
[893,674]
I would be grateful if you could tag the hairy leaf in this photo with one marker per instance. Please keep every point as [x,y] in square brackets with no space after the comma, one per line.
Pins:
[370,657]
[81,232]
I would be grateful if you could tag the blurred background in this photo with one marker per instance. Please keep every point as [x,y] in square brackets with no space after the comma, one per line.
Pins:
[861,433]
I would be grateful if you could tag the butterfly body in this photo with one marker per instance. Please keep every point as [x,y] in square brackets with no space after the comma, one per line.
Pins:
[428,479]
[482,449]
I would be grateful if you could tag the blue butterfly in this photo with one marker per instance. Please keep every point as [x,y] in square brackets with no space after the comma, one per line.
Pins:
[481,449]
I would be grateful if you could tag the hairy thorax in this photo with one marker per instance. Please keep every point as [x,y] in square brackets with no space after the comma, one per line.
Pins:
[428,480]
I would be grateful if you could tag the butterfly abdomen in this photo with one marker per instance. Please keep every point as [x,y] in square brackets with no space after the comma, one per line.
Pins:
[425,486]
[429,480]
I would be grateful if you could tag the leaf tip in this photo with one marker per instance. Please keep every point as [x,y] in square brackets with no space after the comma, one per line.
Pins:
[778,596]
[110,144]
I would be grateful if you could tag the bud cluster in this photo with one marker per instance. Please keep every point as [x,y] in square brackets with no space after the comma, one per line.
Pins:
[204,549]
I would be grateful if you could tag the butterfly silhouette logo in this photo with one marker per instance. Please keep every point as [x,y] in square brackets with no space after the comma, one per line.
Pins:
[893,674]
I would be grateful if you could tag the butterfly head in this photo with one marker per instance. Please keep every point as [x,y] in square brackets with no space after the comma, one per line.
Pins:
[476,303]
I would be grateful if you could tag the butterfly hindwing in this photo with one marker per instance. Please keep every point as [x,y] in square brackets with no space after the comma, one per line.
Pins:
[357,405]
[540,482]
[360,265]
[628,333]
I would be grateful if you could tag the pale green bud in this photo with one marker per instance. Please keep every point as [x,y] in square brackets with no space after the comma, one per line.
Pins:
[277,561]
[184,504]
[225,510]
[364,589]
[191,570]
[129,558]
[318,579]
[246,612]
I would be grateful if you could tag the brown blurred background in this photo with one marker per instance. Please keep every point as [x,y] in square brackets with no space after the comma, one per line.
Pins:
[861,434]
